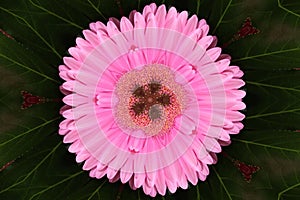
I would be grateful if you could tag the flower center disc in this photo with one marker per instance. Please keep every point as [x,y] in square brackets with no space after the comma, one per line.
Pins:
[149,100]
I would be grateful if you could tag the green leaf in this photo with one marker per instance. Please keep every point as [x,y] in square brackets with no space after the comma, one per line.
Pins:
[271,97]
[38,165]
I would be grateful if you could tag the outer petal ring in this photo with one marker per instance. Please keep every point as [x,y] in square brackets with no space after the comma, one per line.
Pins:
[161,161]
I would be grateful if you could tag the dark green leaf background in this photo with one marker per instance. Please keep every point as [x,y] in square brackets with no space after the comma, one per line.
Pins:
[43,30]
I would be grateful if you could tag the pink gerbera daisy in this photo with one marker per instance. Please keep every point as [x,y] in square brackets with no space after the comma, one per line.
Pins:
[150,100]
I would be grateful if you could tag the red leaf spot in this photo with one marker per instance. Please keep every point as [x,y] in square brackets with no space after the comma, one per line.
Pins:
[247,29]
[6,165]
[6,34]
[246,170]
[29,99]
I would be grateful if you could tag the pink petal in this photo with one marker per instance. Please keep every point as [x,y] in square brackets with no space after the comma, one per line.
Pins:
[160,183]
[224,136]
[89,164]
[202,23]
[171,22]
[161,15]
[224,56]
[83,44]
[205,41]
[125,25]
[91,37]
[72,136]
[211,144]
[65,123]
[74,100]
[100,172]
[235,116]
[236,105]
[72,74]
[188,126]
[115,21]
[82,156]
[131,184]
[68,114]
[139,179]
[98,27]
[235,94]
[188,168]
[125,176]
[214,53]
[115,178]
[111,173]
[205,29]
[63,131]
[147,10]
[64,91]
[182,182]
[223,64]
[108,155]
[63,73]
[172,177]
[200,151]
[201,176]
[75,147]
[75,52]
[150,178]
[196,35]
[139,20]
[214,42]
[69,85]
[120,161]
[151,21]
[153,7]
[236,71]
[147,189]
[238,126]
[182,19]
[131,16]
[153,192]
[190,25]
[171,18]
[172,186]
[234,84]
[112,29]
[72,63]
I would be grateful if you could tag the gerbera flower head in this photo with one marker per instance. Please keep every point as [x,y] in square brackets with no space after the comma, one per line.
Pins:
[150,99]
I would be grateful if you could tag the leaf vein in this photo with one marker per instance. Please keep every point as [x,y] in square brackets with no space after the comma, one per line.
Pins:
[97,10]
[287,10]
[273,113]
[266,145]
[56,184]
[198,192]
[97,190]
[222,16]
[35,31]
[273,86]
[33,170]
[30,130]
[266,54]
[29,69]
[56,15]
[287,189]
[222,183]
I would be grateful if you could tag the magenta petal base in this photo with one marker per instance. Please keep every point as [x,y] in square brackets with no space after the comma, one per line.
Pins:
[150,100]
